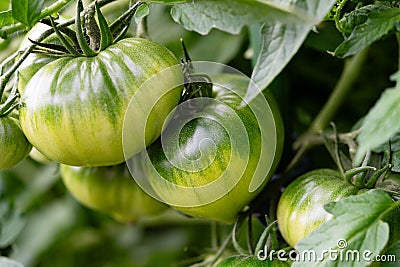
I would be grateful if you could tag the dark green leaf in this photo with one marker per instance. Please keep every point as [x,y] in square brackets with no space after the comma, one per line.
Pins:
[357,227]
[6,262]
[26,11]
[141,12]
[381,122]
[391,256]
[7,18]
[379,22]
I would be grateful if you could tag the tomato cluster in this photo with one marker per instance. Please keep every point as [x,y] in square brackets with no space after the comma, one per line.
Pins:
[90,104]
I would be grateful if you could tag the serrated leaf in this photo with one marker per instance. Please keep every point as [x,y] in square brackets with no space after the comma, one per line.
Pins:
[378,23]
[232,15]
[381,122]
[357,228]
[6,262]
[281,41]
[141,12]
[26,11]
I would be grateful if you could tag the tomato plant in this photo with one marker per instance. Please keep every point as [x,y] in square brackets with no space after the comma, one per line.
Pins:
[111,81]
[110,190]
[209,161]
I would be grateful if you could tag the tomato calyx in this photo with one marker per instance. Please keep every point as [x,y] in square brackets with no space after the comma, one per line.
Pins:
[90,36]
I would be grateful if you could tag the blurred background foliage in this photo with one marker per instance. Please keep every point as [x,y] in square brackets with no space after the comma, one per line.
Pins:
[43,226]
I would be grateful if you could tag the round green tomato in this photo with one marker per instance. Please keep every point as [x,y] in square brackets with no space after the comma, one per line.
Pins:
[211,162]
[14,146]
[249,261]
[73,108]
[301,206]
[110,190]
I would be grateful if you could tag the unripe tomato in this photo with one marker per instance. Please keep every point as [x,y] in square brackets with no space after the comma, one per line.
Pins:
[14,146]
[110,190]
[73,108]
[212,162]
[301,206]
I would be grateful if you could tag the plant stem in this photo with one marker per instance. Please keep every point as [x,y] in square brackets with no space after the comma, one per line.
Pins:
[346,81]
[398,43]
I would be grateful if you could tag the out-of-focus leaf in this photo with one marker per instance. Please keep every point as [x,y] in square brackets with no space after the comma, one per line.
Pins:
[26,11]
[11,224]
[141,12]
[381,122]
[7,18]
[392,256]
[6,262]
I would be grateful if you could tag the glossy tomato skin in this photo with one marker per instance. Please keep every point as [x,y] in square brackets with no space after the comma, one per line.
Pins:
[74,107]
[14,146]
[110,190]
[300,208]
[249,261]
[209,147]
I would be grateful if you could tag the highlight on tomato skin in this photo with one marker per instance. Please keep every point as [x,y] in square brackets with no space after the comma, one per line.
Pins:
[110,190]
[206,162]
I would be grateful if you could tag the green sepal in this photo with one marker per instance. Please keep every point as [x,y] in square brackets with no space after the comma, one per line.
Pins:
[87,51]
[64,41]
[105,32]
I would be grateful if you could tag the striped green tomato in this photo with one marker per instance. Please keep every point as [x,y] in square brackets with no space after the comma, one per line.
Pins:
[249,261]
[74,107]
[211,162]
[110,190]
[300,208]
[14,146]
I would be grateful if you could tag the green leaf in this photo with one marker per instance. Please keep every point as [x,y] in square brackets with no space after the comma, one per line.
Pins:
[381,122]
[392,256]
[379,22]
[11,224]
[279,43]
[232,15]
[6,262]
[356,230]
[141,12]
[27,11]
[7,19]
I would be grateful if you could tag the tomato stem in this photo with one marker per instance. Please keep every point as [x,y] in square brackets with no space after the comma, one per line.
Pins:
[351,71]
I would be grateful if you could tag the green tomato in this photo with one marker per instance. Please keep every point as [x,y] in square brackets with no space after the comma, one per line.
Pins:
[14,146]
[110,190]
[73,108]
[301,206]
[249,261]
[212,162]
